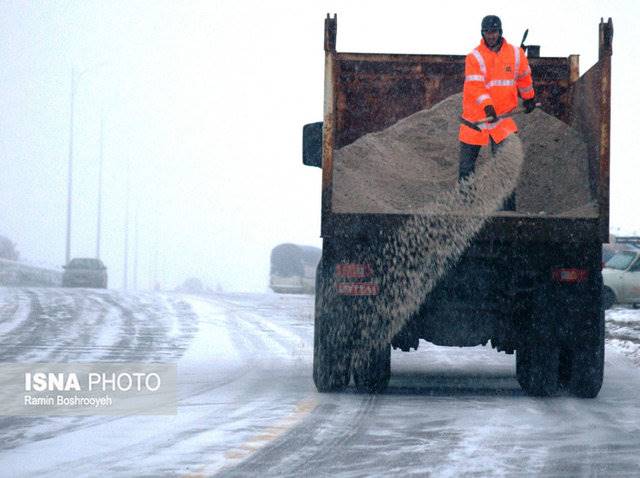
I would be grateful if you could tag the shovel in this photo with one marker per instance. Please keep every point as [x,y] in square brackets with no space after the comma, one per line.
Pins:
[475,124]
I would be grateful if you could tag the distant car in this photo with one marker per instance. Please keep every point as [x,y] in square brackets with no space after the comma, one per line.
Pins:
[621,278]
[85,272]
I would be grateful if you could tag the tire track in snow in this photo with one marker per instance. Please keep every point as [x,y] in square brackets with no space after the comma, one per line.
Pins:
[14,309]
[35,336]
[313,444]
[289,344]
[246,402]
[76,327]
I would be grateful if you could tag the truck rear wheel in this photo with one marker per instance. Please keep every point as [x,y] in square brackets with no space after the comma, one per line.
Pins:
[588,359]
[331,352]
[566,365]
[372,369]
[538,355]
[331,360]
[537,367]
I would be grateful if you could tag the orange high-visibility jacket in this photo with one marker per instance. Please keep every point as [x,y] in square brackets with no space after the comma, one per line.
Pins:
[493,78]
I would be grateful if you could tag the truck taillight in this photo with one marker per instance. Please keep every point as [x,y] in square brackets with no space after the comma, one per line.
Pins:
[353,271]
[347,283]
[570,275]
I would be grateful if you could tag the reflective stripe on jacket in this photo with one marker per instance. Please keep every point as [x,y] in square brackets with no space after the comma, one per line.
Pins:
[493,78]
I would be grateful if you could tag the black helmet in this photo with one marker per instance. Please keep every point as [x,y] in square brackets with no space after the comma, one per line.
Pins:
[491,23]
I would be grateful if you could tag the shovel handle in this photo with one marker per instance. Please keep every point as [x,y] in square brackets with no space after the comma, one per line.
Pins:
[513,112]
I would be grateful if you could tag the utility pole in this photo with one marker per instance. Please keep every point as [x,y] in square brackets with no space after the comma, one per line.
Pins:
[67,255]
[100,185]
[74,80]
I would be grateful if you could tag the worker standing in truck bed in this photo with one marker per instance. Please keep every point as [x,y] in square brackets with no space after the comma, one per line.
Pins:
[495,74]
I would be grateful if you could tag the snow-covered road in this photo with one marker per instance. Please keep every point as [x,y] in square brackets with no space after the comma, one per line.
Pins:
[248,407]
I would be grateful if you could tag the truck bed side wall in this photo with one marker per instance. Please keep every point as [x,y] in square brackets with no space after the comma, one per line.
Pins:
[591,115]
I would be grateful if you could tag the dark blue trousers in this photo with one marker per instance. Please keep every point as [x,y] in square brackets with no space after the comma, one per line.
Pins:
[467,166]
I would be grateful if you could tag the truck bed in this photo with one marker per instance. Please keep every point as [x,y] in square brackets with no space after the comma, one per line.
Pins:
[368,92]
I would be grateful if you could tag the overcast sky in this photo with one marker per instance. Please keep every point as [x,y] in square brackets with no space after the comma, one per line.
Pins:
[205,102]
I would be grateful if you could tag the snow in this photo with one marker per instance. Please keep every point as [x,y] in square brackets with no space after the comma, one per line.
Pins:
[623,332]
[14,310]
[247,404]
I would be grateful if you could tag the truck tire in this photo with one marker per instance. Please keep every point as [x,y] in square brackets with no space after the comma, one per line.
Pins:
[372,369]
[608,297]
[588,359]
[538,353]
[331,352]
[566,366]
[537,369]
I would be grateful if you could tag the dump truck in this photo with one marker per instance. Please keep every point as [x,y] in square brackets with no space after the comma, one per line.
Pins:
[528,283]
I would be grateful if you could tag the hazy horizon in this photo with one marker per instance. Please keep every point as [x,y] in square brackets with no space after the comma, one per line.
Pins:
[204,102]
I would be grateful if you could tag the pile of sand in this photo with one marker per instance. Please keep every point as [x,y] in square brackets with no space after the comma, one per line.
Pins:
[555,176]
[406,167]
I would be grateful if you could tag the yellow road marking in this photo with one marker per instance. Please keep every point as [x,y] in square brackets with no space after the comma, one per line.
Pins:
[302,409]
[258,441]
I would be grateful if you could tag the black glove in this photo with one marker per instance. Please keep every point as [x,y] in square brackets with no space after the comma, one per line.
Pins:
[490,113]
[529,105]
